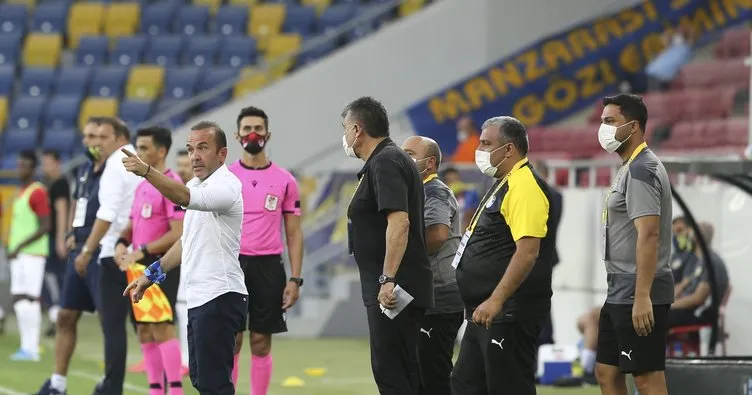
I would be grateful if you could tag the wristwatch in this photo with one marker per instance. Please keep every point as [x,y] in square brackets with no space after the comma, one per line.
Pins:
[383,279]
[85,250]
[297,280]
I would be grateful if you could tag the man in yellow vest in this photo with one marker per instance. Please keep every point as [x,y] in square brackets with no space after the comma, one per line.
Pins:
[28,246]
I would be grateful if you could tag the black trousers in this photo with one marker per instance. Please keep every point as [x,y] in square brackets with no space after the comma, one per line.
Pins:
[394,350]
[211,342]
[435,350]
[113,314]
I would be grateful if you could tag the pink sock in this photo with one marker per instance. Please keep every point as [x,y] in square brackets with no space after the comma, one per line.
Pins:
[261,374]
[235,371]
[173,365]
[153,365]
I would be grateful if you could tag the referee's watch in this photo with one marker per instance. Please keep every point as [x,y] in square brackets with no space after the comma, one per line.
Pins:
[383,279]
[296,280]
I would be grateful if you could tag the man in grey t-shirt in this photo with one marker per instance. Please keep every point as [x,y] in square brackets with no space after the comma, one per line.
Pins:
[443,233]
[636,244]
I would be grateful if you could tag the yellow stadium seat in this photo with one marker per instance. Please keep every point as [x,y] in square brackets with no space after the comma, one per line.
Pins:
[122,19]
[280,46]
[27,3]
[212,4]
[247,3]
[410,6]
[42,49]
[319,5]
[84,19]
[3,112]
[145,82]
[97,107]
[252,80]
[266,20]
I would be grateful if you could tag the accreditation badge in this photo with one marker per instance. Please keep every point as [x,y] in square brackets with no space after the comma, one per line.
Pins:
[271,202]
[146,210]
[79,216]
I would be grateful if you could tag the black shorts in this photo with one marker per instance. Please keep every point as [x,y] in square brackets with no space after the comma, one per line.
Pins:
[499,360]
[619,345]
[265,279]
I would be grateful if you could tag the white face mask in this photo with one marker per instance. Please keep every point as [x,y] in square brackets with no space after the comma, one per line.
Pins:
[349,151]
[483,161]
[461,135]
[607,137]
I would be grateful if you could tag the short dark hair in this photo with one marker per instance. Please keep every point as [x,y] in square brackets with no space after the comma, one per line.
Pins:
[161,137]
[449,170]
[219,135]
[680,218]
[251,111]
[120,128]
[511,130]
[95,120]
[55,154]
[631,106]
[29,155]
[183,152]
[370,114]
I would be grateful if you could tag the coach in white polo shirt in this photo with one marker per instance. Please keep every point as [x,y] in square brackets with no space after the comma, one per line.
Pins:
[208,250]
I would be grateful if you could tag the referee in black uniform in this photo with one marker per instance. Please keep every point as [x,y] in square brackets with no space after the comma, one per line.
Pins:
[387,239]
[504,268]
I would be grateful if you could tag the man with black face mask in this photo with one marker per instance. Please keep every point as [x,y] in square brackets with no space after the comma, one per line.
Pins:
[270,195]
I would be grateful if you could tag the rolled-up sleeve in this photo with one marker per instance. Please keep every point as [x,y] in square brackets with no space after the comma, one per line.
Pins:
[112,192]
[217,196]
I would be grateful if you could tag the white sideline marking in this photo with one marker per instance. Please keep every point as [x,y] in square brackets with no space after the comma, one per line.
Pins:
[8,391]
[96,379]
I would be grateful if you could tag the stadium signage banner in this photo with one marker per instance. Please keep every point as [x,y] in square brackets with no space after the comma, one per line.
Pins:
[567,72]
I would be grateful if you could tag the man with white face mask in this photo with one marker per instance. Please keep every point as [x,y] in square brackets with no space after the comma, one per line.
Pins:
[442,222]
[636,245]
[385,224]
[504,264]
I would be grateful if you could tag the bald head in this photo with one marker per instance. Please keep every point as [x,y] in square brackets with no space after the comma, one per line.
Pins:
[425,152]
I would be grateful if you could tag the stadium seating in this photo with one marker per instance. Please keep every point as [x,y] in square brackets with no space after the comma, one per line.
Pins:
[74,59]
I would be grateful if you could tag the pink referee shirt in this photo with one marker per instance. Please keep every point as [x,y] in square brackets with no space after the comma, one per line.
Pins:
[151,212]
[268,194]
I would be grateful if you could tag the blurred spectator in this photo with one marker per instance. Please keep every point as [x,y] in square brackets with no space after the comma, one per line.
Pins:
[468,140]
[59,193]
[467,196]
[678,52]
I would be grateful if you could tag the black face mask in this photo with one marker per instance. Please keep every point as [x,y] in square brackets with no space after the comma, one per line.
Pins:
[253,143]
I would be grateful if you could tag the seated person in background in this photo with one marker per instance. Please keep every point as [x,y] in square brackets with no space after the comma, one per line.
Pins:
[682,247]
[466,194]
[678,52]
[693,294]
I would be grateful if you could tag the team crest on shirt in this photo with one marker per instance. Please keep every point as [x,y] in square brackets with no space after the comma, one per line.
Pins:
[271,202]
[491,201]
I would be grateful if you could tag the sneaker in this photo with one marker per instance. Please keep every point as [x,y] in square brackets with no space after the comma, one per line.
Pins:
[51,331]
[48,390]
[23,355]
[2,325]
[138,367]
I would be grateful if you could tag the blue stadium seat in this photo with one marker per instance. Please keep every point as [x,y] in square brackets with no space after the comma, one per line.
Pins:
[192,20]
[108,81]
[213,79]
[164,50]
[181,83]
[10,47]
[129,50]
[61,140]
[37,81]
[6,80]
[9,161]
[237,51]
[50,17]
[73,81]
[335,16]
[16,140]
[157,18]
[135,112]
[13,18]
[26,113]
[176,120]
[232,20]
[201,51]
[299,19]
[62,112]
[91,51]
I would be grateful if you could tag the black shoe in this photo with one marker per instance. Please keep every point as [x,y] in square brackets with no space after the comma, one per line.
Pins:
[2,326]
[48,390]
[51,331]
[576,381]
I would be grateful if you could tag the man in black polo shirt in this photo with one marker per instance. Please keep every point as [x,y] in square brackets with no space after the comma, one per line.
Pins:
[387,238]
[504,268]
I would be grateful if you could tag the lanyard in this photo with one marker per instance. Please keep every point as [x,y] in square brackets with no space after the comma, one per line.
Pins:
[353,195]
[619,175]
[487,197]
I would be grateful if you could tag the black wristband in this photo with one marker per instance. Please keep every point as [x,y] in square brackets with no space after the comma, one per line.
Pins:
[122,241]
[147,172]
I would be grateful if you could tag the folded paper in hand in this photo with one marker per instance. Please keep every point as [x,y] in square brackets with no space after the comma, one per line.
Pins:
[403,299]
